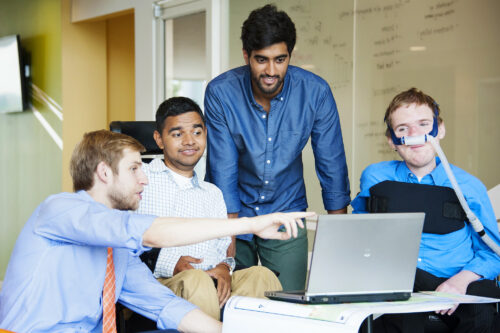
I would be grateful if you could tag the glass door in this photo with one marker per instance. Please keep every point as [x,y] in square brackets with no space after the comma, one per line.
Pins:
[185,56]
[190,49]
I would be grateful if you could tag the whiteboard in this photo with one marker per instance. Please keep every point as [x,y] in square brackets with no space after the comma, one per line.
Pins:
[368,51]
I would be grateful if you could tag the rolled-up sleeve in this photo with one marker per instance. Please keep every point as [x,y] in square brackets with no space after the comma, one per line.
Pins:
[222,155]
[329,155]
[77,220]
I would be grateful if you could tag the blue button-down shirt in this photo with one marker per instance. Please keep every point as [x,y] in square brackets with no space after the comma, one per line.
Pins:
[444,255]
[55,276]
[255,157]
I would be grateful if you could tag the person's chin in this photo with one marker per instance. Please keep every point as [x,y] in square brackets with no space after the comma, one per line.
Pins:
[420,161]
[134,205]
[268,89]
[190,160]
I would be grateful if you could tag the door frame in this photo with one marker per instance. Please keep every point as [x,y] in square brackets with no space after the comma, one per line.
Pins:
[216,37]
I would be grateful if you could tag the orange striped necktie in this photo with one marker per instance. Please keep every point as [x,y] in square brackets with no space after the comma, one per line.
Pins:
[108,296]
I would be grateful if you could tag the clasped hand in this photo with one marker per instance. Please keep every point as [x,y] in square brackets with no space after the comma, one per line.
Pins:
[219,273]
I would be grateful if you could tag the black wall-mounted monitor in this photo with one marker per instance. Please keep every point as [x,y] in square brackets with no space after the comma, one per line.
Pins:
[13,75]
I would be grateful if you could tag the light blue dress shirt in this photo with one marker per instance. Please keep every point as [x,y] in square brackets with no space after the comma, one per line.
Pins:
[255,157]
[444,255]
[55,276]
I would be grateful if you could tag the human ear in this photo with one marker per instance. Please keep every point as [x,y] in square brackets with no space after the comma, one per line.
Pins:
[441,131]
[103,172]
[391,144]
[246,56]
[157,137]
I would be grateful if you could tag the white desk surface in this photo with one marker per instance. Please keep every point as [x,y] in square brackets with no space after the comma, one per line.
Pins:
[246,314]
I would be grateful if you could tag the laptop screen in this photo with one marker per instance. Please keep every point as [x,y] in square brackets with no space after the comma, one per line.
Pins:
[365,253]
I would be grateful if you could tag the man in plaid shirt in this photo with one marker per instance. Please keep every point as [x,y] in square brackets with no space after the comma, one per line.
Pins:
[175,190]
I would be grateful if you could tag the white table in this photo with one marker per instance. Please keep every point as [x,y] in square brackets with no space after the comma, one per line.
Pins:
[246,314]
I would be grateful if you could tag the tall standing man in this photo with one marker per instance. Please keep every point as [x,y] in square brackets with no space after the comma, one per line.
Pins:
[259,118]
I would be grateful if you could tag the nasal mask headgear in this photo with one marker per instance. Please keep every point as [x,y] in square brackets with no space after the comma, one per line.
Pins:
[416,140]
[421,139]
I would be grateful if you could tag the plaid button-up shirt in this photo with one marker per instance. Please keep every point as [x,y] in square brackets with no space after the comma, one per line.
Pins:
[163,196]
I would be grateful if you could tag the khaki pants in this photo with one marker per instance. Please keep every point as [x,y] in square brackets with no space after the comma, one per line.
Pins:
[197,287]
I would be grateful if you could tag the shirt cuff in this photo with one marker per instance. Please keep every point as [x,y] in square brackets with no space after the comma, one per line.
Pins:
[172,314]
[481,270]
[137,226]
[233,204]
[336,200]
[245,237]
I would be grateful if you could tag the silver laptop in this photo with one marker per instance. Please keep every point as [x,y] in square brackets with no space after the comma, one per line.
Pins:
[361,258]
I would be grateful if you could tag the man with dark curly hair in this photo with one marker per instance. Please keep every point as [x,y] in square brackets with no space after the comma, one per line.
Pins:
[259,118]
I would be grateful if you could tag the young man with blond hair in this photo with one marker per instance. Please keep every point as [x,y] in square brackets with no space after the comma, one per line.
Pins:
[78,253]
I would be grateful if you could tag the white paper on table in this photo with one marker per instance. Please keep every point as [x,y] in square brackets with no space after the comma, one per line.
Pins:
[246,314]
[462,299]
[249,315]
[274,307]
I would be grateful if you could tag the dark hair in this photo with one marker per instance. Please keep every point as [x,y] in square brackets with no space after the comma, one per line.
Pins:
[175,106]
[410,96]
[94,148]
[267,26]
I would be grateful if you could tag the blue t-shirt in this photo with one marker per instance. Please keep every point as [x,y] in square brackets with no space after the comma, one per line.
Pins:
[255,157]
[444,255]
[55,276]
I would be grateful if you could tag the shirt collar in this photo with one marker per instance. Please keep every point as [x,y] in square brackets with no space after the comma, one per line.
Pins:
[439,174]
[286,85]
[404,173]
[157,165]
[436,176]
[87,197]
[84,194]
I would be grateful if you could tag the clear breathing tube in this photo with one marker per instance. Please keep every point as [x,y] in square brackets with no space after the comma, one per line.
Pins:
[474,221]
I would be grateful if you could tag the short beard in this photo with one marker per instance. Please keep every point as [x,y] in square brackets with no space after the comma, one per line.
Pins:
[120,201]
[263,89]
[272,90]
